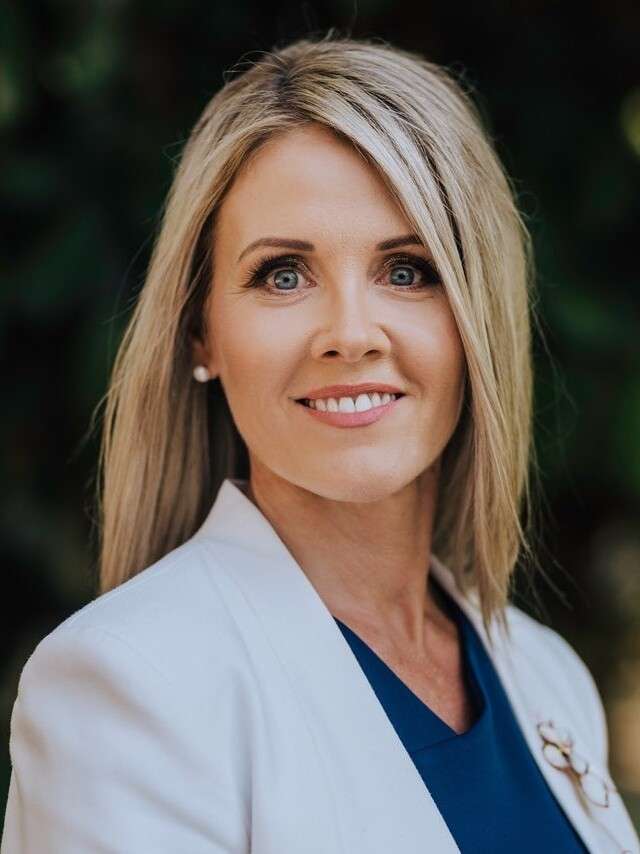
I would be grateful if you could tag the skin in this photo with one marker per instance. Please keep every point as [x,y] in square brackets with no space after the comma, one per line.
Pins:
[354,506]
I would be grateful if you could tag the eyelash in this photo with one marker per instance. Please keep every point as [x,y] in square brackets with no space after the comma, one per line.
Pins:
[257,275]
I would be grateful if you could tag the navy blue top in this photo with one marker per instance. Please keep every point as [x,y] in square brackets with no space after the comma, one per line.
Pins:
[485,782]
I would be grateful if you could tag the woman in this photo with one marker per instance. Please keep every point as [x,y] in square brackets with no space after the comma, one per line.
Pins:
[315,461]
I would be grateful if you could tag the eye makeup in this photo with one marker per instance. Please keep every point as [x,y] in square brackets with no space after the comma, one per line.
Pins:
[259,272]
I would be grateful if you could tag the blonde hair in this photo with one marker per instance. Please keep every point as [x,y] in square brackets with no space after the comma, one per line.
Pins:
[168,442]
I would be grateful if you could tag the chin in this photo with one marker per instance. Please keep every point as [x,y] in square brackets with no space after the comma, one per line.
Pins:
[361,488]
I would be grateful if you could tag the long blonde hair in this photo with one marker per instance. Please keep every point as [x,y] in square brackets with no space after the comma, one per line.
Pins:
[168,442]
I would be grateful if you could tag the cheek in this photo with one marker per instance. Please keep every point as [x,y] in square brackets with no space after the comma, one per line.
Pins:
[437,350]
[255,354]
[437,366]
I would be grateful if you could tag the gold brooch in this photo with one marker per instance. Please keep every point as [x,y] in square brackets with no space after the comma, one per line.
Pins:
[558,749]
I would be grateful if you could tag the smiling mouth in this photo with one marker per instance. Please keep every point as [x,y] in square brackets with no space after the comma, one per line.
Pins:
[305,401]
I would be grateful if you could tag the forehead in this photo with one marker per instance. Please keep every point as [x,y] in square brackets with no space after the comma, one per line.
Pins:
[308,180]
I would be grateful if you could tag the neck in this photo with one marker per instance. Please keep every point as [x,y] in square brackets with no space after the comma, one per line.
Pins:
[368,561]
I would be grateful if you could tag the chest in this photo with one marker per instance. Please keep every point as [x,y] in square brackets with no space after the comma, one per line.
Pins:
[438,677]
[338,756]
[309,744]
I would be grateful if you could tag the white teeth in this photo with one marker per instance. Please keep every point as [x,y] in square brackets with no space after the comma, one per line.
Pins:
[361,403]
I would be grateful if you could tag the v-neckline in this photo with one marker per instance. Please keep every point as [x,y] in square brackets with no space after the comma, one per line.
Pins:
[472,680]
[379,798]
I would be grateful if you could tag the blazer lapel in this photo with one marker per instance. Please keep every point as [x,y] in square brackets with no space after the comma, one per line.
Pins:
[602,829]
[382,802]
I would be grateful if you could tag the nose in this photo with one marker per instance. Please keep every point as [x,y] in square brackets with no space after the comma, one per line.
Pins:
[351,327]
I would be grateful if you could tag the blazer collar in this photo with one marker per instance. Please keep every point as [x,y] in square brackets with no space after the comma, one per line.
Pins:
[381,800]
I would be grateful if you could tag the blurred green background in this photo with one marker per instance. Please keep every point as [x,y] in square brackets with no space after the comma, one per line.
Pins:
[96,100]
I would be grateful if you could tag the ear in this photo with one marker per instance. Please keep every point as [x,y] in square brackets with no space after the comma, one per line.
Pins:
[201,355]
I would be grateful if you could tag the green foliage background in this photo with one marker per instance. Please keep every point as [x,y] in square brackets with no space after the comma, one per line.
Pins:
[96,99]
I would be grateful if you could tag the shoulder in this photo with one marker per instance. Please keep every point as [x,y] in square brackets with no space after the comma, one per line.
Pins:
[147,670]
[554,669]
[170,619]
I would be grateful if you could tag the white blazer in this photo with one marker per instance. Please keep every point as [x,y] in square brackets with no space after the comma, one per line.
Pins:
[211,705]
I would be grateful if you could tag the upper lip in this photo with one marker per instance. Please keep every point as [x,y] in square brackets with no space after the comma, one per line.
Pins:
[338,391]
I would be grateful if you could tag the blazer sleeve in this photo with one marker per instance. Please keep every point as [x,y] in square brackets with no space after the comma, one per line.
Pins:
[106,757]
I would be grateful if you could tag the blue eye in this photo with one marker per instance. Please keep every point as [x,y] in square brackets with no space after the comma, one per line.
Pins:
[414,262]
[258,274]
[403,269]
[288,268]
[290,278]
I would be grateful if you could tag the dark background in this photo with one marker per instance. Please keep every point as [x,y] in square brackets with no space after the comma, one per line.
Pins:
[96,99]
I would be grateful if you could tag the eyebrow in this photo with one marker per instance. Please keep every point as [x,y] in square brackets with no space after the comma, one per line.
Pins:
[305,246]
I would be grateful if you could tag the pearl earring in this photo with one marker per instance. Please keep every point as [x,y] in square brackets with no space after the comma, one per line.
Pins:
[201,373]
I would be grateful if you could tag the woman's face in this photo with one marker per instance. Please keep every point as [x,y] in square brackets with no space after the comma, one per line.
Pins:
[337,310]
